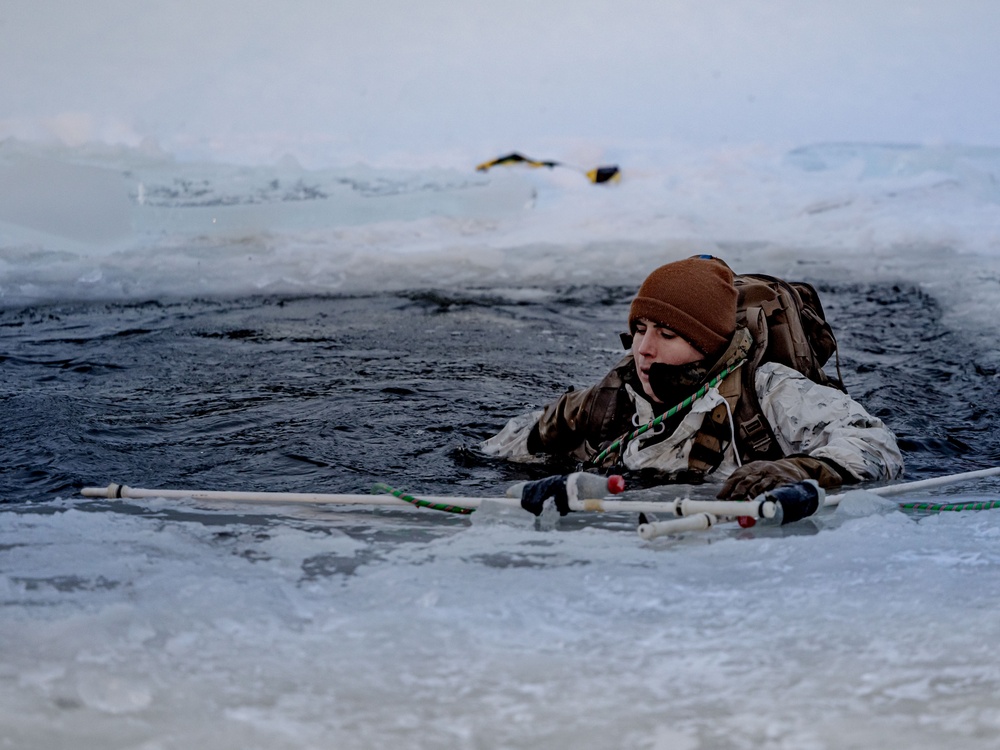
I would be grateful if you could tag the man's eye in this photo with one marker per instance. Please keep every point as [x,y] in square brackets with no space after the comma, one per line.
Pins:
[664,333]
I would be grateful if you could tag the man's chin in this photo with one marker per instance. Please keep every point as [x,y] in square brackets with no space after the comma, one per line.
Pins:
[647,392]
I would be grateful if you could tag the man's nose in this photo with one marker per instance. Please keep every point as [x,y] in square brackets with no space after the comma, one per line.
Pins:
[645,342]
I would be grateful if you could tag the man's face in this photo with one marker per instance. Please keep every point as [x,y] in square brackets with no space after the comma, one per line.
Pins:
[652,343]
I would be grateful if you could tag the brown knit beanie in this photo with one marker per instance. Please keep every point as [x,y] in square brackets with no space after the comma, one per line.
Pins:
[694,298]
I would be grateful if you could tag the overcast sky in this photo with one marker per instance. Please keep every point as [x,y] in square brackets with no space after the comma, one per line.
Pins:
[397,75]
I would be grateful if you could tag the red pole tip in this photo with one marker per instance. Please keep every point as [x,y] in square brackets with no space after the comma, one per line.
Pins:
[616,484]
[746,522]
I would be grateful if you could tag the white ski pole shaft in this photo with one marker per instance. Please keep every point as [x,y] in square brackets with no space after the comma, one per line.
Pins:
[923,484]
[586,489]
[117,491]
[697,522]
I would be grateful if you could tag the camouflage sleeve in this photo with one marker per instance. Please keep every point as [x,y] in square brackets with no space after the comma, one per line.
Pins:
[560,429]
[512,441]
[564,424]
[823,422]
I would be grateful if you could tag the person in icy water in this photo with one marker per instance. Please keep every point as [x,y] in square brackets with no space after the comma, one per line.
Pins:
[684,334]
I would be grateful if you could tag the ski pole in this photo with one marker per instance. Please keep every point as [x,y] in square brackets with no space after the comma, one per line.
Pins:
[773,505]
[586,492]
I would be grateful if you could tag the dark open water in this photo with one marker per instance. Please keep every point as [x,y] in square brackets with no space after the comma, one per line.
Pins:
[332,394]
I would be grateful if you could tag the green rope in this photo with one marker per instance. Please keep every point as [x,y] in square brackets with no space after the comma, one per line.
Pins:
[945,506]
[381,488]
[621,442]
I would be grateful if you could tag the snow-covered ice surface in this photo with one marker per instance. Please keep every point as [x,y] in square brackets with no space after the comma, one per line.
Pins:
[246,247]
[181,627]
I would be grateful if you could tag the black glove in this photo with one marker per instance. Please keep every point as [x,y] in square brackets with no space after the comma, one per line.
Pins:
[757,477]
[534,494]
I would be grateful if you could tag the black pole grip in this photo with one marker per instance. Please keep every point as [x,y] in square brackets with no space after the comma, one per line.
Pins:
[534,494]
[797,501]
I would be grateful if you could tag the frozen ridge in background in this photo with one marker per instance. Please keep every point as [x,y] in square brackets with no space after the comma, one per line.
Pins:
[130,224]
[144,200]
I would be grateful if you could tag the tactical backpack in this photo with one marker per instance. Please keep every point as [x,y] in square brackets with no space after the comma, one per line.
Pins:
[788,326]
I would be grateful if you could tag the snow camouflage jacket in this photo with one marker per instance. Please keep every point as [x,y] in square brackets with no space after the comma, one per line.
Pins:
[806,419]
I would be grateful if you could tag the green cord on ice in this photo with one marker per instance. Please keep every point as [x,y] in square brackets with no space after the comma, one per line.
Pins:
[384,488]
[945,506]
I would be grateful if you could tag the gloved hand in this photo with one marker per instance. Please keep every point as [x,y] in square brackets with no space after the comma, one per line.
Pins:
[757,477]
[534,494]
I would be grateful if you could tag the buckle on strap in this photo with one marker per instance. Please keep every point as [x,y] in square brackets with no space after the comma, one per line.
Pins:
[757,433]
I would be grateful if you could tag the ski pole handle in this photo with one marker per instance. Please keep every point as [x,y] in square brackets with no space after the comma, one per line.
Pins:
[697,522]
[588,486]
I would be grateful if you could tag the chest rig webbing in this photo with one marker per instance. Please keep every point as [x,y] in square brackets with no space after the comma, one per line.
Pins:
[755,440]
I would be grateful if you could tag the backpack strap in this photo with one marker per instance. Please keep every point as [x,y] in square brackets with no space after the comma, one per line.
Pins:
[715,434]
[755,439]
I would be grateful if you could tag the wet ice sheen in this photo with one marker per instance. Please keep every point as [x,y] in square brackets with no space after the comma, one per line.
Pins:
[843,636]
